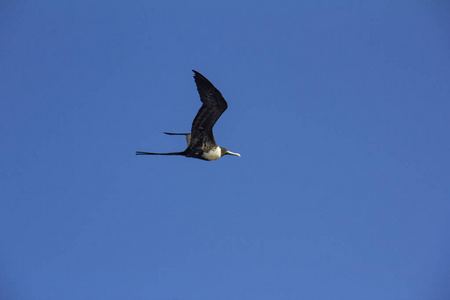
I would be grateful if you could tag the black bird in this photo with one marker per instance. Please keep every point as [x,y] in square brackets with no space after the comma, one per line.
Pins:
[201,143]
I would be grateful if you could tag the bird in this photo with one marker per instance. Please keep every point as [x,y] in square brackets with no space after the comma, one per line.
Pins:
[200,141]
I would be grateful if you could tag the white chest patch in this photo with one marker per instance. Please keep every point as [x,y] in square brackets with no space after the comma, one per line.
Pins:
[213,154]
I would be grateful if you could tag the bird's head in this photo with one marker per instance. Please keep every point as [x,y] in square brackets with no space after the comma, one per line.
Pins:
[224,151]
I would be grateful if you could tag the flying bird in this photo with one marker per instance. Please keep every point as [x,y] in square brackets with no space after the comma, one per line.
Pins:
[201,143]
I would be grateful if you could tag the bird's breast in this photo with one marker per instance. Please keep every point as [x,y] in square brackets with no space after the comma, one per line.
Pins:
[213,154]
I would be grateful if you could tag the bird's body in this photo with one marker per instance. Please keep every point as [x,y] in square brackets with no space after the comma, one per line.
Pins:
[201,143]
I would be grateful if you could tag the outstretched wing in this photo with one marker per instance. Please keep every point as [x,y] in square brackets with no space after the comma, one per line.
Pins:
[213,107]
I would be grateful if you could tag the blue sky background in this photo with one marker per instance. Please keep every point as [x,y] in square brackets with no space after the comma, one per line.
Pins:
[340,110]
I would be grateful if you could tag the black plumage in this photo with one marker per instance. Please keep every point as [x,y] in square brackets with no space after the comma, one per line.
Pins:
[201,143]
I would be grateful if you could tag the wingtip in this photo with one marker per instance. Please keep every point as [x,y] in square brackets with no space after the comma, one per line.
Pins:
[199,77]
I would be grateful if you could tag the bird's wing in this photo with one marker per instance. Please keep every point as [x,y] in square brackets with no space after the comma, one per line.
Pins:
[213,107]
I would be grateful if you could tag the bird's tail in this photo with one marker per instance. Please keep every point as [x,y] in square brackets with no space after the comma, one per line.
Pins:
[151,153]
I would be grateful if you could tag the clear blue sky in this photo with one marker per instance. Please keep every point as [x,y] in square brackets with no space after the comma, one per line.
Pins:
[340,110]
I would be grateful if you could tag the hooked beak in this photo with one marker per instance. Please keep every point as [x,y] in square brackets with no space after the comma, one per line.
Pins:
[232,153]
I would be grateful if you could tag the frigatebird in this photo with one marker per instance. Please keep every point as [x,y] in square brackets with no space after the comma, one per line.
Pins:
[201,143]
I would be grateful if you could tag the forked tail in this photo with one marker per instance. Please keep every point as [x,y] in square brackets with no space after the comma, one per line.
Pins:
[151,153]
